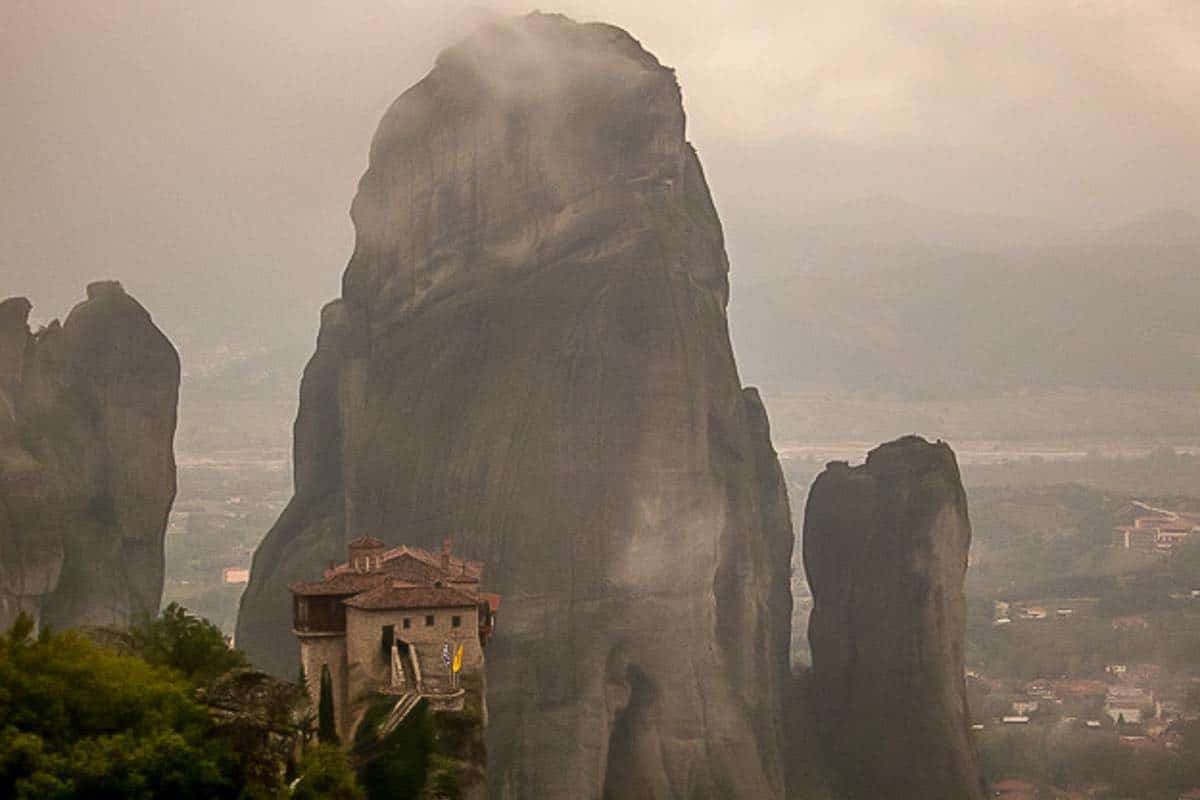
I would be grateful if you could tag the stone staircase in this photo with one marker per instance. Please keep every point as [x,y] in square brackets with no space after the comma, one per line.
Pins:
[409,687]
[404,706]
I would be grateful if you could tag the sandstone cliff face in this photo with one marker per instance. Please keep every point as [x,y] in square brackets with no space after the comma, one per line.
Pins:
[87,466]
[531,354]
[885,549]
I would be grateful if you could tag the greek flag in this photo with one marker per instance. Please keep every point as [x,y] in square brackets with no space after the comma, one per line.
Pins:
[446,654]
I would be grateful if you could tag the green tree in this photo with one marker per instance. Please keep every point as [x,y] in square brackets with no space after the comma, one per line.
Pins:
[441,782]
[326,727]
[79,720]
[396,765]
[185,642]
[326,775]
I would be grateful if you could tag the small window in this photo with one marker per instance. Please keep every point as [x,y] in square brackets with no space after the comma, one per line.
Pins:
[407,623]
[456,622]
[429,621]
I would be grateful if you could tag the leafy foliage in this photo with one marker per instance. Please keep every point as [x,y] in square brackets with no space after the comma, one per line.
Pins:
[442,782]
[81,720]
[326,726]
[1066,755]
[327,775]
[187,643]
[428,756]
[397,765]
[77,720]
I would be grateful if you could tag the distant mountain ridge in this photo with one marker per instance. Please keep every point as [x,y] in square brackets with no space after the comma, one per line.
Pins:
[1114,309]
[891,296]
[885,220]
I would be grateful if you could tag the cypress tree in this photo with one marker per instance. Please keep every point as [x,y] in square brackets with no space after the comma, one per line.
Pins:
[326,728]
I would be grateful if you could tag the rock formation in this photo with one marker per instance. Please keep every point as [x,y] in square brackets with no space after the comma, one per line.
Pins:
[87,467]
[531,354]
[885,549]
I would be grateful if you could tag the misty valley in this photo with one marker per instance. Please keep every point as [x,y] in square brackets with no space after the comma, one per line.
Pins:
[1044,516]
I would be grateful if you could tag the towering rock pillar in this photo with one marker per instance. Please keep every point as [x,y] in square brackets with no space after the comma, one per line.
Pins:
[531,354]
[87,465]
[885,549]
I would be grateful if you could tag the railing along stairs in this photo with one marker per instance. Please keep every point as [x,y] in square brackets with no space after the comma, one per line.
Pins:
[404,706]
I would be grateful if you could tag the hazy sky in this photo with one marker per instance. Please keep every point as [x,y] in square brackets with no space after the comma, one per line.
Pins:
[206,152]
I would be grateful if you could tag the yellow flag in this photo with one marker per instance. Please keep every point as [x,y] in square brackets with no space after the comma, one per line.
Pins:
[457,659]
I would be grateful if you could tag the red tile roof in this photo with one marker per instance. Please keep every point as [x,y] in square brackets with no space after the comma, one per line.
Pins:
[343,584]
[367,542]
[457,566]
[1013,785]
[403,595]
[1080,686]
[404,577]
[1014,790]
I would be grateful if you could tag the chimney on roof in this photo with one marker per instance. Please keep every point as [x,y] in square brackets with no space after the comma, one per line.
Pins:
[446,545]
[366,553]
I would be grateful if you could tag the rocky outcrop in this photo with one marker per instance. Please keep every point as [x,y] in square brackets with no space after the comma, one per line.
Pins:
[885,550]
[87,467]
[531,354]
